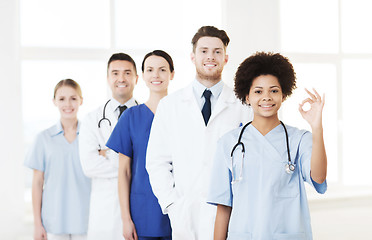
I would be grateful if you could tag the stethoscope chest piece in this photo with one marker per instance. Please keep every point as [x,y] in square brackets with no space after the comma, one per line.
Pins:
[289,168]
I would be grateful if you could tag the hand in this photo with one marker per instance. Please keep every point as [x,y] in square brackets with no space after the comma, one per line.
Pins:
[102,152]
[129,230]
[314,115]
[40,233]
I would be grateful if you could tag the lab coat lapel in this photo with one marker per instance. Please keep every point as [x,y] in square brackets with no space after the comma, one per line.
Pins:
[226,98]
[195,114]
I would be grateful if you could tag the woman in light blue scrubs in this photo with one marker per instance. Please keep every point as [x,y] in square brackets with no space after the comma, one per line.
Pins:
[140,210]
[60,190]
[260,194]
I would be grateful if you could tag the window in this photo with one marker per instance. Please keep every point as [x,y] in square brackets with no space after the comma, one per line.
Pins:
[332,52]
[74,39]
[65,24]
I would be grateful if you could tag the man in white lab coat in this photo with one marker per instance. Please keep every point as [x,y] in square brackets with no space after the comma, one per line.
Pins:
[100,163]
[183,138]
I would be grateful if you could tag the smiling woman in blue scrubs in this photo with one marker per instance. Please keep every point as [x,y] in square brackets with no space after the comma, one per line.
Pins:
[261,194]
[60,190]
[141,213]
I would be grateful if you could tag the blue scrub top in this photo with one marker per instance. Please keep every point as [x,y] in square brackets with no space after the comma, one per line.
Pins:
[66,193]
[130,137]
[267,203]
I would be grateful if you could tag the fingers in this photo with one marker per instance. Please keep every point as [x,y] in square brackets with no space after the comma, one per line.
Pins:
[307,100]
[314,96]
[135,235]
[323,98]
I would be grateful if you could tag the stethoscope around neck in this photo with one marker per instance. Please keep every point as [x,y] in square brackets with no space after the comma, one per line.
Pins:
[104,118]
[289,167]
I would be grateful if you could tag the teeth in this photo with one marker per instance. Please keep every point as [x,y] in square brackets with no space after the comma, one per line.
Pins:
[122,86]
[155,82]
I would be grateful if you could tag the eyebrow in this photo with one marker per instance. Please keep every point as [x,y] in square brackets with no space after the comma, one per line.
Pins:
[126,70]
[155,67]
[270,86]
[212,48]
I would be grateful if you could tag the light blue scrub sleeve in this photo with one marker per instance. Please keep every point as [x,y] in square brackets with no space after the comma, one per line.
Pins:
[220,184]
[304,158]
[35,158]
[120,140]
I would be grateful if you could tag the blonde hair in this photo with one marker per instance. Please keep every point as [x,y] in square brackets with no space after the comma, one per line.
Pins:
[70,83]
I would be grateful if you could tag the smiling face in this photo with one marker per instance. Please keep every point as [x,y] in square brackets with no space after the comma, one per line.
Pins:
[68,102]
[157,74]
[265,96]
[209,59]
[121,77]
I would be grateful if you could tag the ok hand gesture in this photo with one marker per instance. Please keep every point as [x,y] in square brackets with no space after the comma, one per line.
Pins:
[314,115]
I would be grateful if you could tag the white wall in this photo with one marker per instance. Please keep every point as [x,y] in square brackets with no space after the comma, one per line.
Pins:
[11,141]
[252,26]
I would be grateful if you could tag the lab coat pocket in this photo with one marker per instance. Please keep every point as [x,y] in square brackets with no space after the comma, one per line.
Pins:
[179,218]
[288,185]
[239,236]
[290,236]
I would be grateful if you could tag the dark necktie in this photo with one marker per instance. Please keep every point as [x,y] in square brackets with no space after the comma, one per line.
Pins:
[122,109]
[206,110]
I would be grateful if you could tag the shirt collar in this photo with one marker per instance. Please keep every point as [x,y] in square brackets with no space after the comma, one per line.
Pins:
[58,129]
[115,104]
[199,88]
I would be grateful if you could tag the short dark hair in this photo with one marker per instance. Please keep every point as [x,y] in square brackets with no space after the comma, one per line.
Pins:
[121,57]
[263,63]
[70,83]
[210,31]
[159,53]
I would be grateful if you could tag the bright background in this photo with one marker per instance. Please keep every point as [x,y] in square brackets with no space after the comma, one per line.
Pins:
[45,41]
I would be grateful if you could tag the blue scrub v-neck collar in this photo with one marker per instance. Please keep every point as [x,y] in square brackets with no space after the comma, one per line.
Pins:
[148,109]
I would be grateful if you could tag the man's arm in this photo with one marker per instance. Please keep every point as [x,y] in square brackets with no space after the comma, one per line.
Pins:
[94,163]
[159,159]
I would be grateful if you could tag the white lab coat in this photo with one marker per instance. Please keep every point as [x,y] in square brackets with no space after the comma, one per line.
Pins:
[104,216]
[179,158]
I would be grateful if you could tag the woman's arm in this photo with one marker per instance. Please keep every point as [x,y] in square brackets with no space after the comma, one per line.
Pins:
[37,193]
[314,117]
[222,222]
[124,179]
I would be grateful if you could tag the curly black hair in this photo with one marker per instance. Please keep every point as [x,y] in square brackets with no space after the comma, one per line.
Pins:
[262,63]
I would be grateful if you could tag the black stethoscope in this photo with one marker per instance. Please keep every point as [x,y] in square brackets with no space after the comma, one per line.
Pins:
[104,118]
[289,167]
